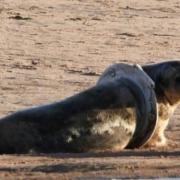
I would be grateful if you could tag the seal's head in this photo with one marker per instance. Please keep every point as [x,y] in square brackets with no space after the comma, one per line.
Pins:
[166,76]
[170,81]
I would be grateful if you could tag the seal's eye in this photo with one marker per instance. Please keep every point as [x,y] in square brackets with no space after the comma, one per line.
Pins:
[177,79]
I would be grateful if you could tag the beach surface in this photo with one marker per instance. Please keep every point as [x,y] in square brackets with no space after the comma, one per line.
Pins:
[50,50]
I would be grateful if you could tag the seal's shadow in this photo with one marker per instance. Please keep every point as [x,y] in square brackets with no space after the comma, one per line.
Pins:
[73,167]
[126,153]
[90,162]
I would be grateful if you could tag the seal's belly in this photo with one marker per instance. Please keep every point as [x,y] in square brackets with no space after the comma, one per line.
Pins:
[102,130]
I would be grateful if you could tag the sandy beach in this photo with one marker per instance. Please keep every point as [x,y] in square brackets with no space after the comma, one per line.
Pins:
[50,50]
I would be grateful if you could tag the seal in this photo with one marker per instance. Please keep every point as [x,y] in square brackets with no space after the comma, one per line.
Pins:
[166,76]
[89,121]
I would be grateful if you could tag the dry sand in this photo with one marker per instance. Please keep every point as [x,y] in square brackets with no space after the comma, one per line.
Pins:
[53,49]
